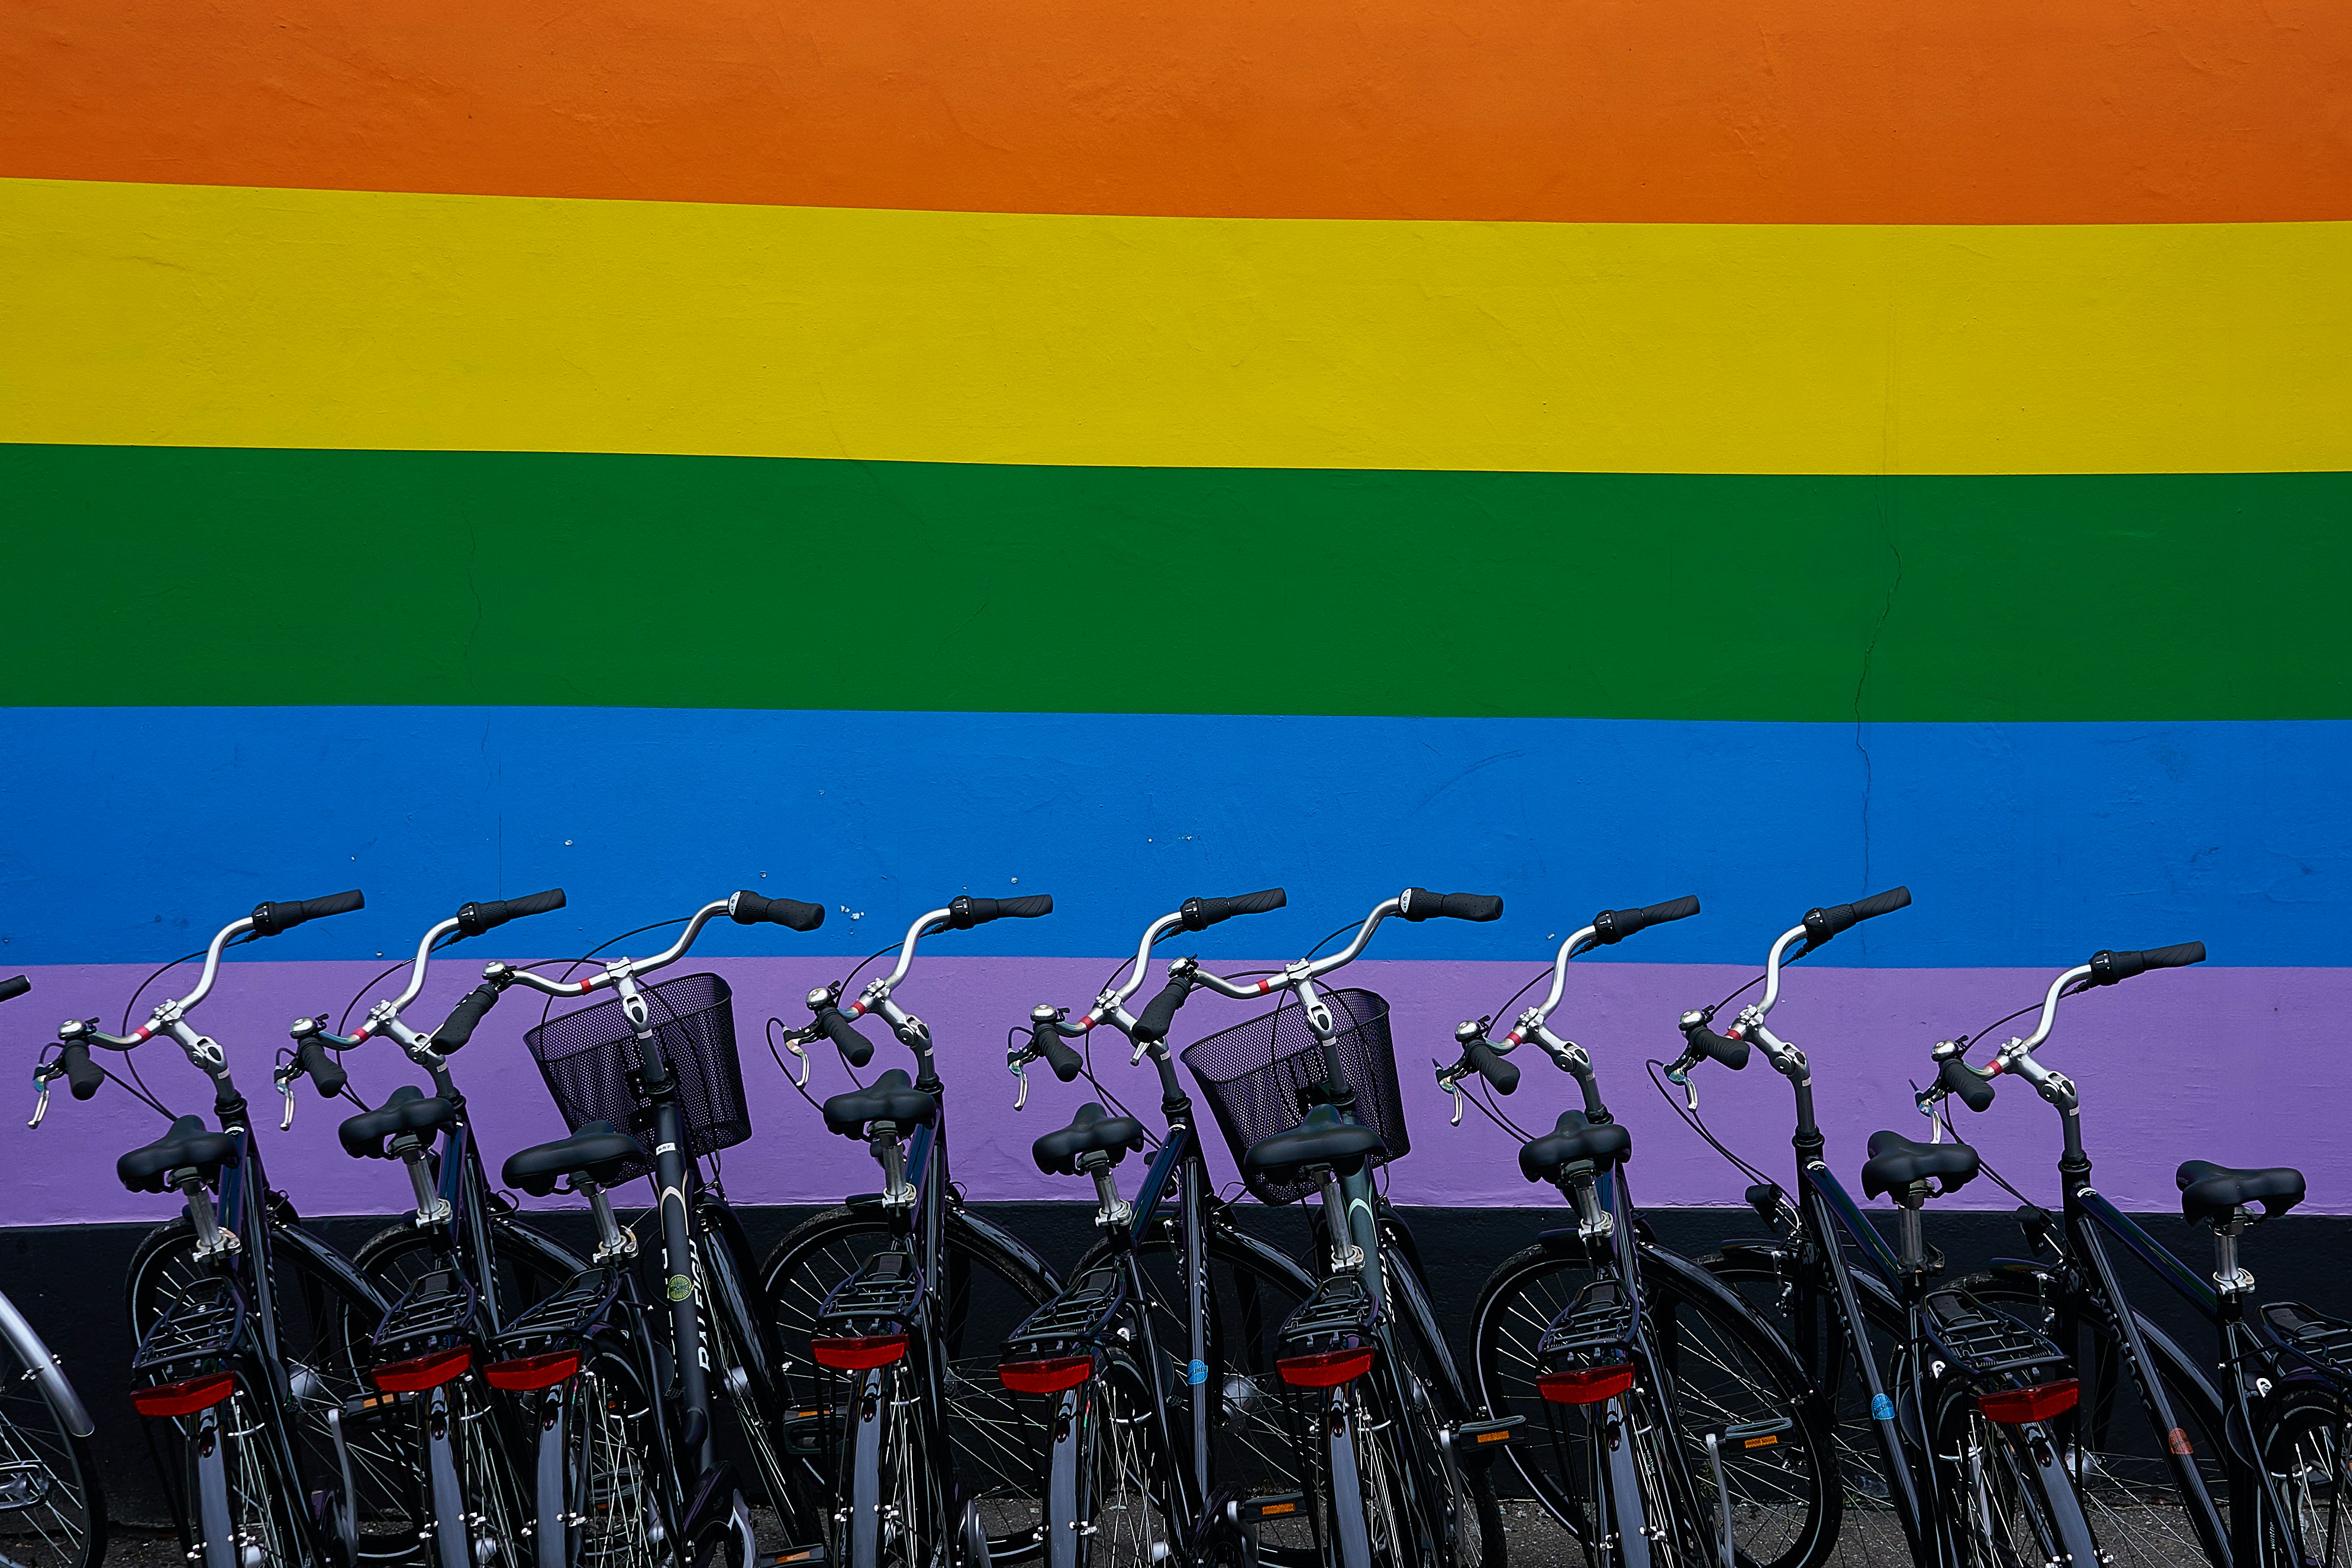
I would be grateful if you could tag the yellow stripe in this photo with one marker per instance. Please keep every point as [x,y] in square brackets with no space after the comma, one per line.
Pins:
[212,316]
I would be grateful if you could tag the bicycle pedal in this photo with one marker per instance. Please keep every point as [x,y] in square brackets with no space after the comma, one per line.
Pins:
[1752,1435]
[1477,1437]
[793,1556]
[809,1432]
[371,1407]
[1273,1505]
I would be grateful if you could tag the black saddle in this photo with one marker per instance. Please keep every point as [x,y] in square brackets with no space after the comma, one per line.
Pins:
[892,1098]
[409,1110]
[1895,1161]
[2213,1191]
[188,1146]
[1574,1137]
[1323,1139]
[1092,1132]
[596,1151]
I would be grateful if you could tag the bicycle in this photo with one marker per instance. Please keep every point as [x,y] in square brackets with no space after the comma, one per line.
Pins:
[2251,1473]
[1680,1429]
[923,1462]
[626,1466]
[254,1337]
[1145,1370]
[1960,1394]
[1401,1463]
[457,1270]
[52,1504]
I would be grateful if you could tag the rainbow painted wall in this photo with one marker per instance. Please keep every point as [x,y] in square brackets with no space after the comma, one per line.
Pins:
[1769,448]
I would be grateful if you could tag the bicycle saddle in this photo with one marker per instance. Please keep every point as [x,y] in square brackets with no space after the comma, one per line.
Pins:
[596,1151]
[1572,1138]
[1092,1132]
[188,1146]
[892,1098]
[1323,1139]
[2213,1191]
[1897,1162]
[366,1135]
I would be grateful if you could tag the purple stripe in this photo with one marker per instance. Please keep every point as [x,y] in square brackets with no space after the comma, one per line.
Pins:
[2243,1066]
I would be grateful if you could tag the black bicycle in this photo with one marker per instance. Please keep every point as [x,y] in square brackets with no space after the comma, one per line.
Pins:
[1674,1425]
[1150,1376]
[887,1299]
[2248,1471]
[456,1271]
[254,1338]
[1944,1400]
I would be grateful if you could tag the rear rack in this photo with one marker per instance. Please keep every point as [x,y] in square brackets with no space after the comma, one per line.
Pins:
[566,1315]
[2323,1341]
[207,1324]
[1075,1317]
[1985,1342]
[436,1307]
[1598,1324]
[1340,1307]
[881,1297]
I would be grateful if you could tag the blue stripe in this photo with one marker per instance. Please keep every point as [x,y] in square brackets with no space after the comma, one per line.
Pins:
[132,832]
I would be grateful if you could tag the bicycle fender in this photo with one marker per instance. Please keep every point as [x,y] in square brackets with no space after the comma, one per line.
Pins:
[54,1388]
[1354,1537]
[553,1511]
[215,1525]
[327,1260]
[1062,1503]
[995,1235]
[2074,1541]
[1626,1516]
[453,1540]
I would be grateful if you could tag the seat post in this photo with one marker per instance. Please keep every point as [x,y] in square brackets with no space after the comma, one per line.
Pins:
[1911,1231]
[612,1243]
[211,1240]
[1345,1253]
[2230,1277]
[1111,1211]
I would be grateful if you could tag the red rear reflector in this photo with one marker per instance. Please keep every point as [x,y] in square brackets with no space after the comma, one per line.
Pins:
[2015,1406]
[1049,1376]
[425,1371]
[859,1355]
[1589,1385]
[533,1371]
[183,1398]
[1327,1370]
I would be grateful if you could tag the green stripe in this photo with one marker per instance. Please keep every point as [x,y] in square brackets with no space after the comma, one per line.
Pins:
[179,575]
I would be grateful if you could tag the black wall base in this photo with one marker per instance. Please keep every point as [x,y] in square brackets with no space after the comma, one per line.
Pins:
[69,1280]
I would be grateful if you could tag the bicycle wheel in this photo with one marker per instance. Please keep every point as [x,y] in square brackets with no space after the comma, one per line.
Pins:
[325,1332]
[1252,1293]
[619,1515]
[1120,1502]
[987,1293]
[2003,1515]
[2305,1447]
[2118,1460]
[1464,1522]
[52,1512]
[1727,1368]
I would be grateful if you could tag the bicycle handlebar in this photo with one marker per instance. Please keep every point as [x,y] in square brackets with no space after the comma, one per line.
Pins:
[1420,904]
[1200,914]
[271,919]
[1821,925]
[747,908]
[13,987]
[473,920]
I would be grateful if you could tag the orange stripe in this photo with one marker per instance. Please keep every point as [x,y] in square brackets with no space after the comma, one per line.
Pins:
[1640,111]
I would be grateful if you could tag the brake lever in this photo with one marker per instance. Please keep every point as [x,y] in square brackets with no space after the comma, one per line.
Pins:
[792,1043]
[283,1077]
[1680,1073]
[1021,1071]
[41,1080]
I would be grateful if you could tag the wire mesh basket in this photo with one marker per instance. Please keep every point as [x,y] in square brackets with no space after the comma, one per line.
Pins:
[1255,1076]
[590,1060]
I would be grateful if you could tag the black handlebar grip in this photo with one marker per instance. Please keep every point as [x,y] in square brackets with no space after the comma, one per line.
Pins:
[1056,1050]
[1731,1052]
[471,1009]
[325,1071]
[16,986]
[2107,968]
[1976,1091]
[1616,925]
[82,1074]
[965,912]
[1822,924]
[1159,1015]
[1200,914]
[1420,904]
[473,920]
[746,908]
[269,918]
[856,1049]
[1494,1067]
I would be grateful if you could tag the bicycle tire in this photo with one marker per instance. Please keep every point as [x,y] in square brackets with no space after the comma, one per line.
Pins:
[1463,1517]
[2004,1514]
[991,1290]
[2119,1464]
[2305,1448]
[326,1328]
[1727,1366]
[622,1514]
[52,1506]
[531,1266]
